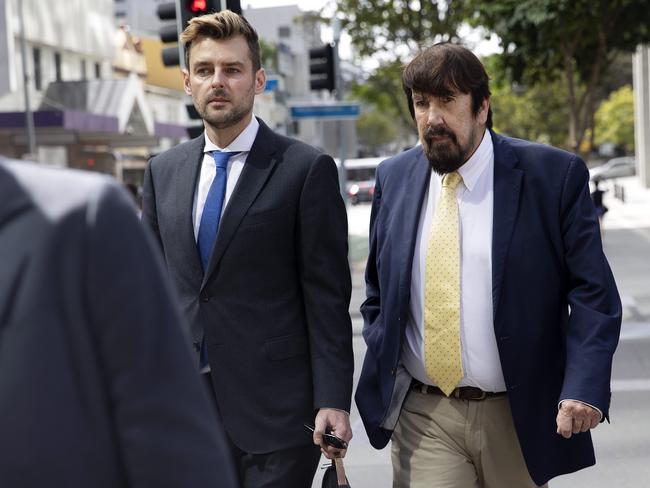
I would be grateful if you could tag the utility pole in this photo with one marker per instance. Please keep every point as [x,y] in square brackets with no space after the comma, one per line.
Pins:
[336,28]
[29,116]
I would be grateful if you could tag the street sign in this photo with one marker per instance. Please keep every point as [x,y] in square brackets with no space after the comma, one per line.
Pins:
[271,84]
[331,111]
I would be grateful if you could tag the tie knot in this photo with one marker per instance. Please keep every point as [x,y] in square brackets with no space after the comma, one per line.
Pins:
[221,158]
[451,180]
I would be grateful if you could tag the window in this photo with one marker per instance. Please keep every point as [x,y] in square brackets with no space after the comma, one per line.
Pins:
[83,69]
[57,66]
[98,71]
[284,31]
[38,74]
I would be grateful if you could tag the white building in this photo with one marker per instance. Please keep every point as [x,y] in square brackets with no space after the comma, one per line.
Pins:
[642,113]
[86,83]
[293,32]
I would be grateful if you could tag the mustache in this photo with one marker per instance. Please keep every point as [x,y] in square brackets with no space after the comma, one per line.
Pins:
[439,131]
[219,93]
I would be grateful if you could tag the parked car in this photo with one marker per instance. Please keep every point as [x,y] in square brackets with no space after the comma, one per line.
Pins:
[614,168]
[361,191]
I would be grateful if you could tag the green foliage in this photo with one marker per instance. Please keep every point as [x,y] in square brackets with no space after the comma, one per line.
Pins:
[376,130]
[537,112]
[575,40]
[269,55]
[615,119]
[383,90]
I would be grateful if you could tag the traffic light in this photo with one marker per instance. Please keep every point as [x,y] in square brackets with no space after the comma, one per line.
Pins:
[181,12]
[321,68]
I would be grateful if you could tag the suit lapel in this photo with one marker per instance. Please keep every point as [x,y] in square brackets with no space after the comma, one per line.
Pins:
[507,187]
[417,182]
[187,173]
[257,169]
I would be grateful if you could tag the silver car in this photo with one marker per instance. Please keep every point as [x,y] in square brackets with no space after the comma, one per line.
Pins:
[614,168]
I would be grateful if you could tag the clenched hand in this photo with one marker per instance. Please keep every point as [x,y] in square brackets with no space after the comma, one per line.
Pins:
[574,417]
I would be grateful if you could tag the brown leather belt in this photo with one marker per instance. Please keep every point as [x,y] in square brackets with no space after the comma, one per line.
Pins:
[462,392]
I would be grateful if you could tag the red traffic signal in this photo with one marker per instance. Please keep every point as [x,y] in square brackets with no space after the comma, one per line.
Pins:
[197,7]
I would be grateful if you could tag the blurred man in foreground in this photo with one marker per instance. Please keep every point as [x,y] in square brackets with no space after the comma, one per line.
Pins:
[97,388]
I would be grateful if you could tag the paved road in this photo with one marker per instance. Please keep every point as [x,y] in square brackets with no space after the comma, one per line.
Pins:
[622,447]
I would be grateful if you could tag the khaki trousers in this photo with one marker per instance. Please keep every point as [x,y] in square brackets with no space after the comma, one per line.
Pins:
[442,442]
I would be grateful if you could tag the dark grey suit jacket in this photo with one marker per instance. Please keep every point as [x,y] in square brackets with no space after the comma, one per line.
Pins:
[274,300]
[97,386]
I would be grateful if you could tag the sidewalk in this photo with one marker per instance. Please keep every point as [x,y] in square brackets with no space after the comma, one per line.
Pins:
[634,212]
[626,229]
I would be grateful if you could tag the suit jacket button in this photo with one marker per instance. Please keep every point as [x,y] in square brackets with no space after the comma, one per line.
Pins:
[393,371]
[205,298]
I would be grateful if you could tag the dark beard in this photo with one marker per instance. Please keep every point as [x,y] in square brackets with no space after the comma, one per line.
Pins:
[443,157]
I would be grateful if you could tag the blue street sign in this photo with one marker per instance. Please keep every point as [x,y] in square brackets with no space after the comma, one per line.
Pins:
[271,84]
[325,111]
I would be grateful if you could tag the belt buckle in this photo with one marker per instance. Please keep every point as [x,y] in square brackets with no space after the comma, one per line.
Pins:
[482,397]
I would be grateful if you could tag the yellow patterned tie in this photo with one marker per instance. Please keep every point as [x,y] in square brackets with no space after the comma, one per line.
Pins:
[442,292]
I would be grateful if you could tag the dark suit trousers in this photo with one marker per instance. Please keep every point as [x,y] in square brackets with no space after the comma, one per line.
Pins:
[287,468]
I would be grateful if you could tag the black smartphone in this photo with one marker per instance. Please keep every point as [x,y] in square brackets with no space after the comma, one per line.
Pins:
[329,438]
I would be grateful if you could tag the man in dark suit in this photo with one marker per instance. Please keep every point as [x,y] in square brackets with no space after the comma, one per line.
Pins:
[491,315]
[254,233]
[97,386]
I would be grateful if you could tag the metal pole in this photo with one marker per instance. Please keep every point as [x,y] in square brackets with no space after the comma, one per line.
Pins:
[336,27]
[29,116]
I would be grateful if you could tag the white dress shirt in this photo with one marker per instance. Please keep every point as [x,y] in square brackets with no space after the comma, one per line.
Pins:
[242,144]
[479,353]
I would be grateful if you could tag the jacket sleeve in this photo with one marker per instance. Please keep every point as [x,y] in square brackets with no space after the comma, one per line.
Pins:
[149,211]
[595,306]
[326,284]
[165,427]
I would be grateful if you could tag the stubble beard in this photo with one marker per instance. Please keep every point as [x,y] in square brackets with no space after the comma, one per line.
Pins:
[225,118]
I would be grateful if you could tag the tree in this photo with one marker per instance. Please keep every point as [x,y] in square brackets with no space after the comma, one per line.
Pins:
[399,26]
[375,131]
[615,119]
[576,40]
[383,90]
[536,112]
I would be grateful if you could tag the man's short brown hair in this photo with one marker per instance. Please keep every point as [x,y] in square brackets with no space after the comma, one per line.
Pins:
[443,69]
[222,25]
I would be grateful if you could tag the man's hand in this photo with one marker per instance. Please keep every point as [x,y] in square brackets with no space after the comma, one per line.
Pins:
[339,423]
[574,417]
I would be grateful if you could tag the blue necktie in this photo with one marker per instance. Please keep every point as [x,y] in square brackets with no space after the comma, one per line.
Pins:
[212,209]
[210,222]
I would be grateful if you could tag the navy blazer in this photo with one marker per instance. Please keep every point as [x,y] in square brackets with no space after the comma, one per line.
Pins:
[557,312]
[97,386]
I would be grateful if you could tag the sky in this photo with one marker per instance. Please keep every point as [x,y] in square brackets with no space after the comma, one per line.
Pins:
[302,4]
[480,47]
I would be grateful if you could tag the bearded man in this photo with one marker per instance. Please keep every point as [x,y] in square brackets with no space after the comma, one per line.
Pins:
[491,315]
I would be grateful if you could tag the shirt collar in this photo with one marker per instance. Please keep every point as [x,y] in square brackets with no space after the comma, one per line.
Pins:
[242,143]
[478,162]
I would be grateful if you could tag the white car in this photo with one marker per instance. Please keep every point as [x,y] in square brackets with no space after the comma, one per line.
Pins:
[614,168]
